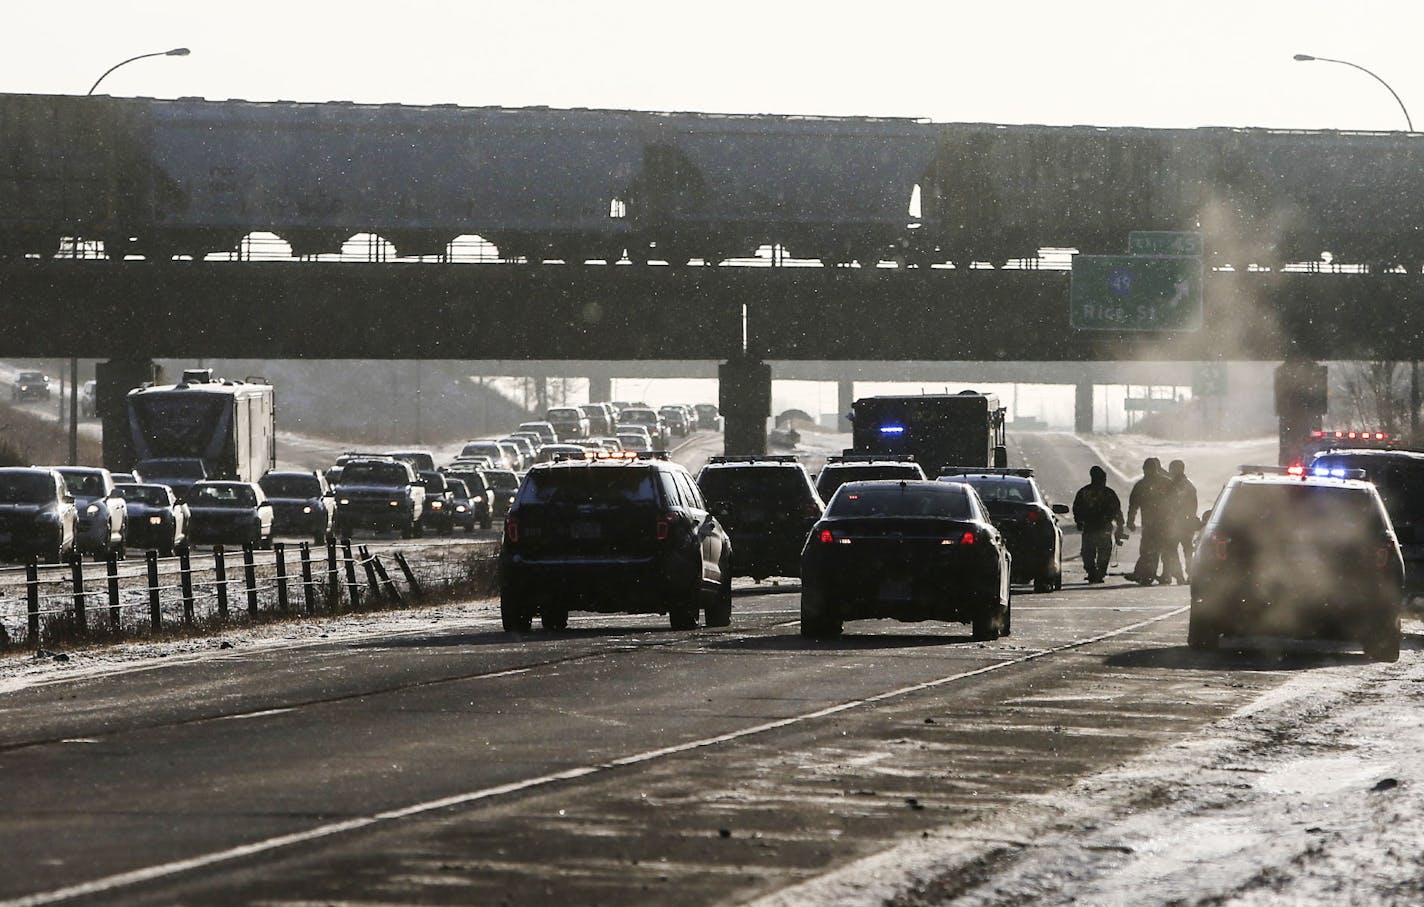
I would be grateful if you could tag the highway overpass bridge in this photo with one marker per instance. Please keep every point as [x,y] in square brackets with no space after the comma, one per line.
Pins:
[135,311]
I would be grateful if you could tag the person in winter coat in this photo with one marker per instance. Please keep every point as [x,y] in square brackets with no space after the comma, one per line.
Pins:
[1098,513]
[1182,521]
[1152,496]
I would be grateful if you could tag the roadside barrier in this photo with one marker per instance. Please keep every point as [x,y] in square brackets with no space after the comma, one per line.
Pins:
[46,603]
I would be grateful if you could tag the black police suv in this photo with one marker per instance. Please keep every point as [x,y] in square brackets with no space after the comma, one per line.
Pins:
[1288,553]
[613,534]
[1398,475]
[767,504]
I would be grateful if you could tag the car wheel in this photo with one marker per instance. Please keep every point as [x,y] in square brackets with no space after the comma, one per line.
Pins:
[817,618]
[984,627]
[1202,635]
[1383,644]
[554,618]
[719,613]
[682,613]
[512,614]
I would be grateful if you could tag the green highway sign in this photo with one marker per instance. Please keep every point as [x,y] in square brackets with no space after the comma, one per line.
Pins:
[1162,242]
[1136,293]
[1208,379]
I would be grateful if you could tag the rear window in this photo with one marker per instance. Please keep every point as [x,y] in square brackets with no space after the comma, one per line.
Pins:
[768,484]
[1003,491]
[290,486]
[596,485]
[834,477]
[224,496]
[143,494]
[374,474]
[502,479]
[26,487]
[940,500]
[1274,507]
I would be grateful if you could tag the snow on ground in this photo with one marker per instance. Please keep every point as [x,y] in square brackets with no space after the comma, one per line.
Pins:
[1312,794]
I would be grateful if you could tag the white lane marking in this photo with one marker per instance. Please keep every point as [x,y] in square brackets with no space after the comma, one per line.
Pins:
[262,714]
[163,870]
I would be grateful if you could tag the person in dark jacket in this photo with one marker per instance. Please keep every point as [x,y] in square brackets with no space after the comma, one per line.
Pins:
[1152,495]
[1182,520]
[1098,513]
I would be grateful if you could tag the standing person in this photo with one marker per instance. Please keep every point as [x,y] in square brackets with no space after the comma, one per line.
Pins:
[1098,514]
[1183,520]
[1151,495]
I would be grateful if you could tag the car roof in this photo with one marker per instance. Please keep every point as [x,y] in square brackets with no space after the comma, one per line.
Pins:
[1372,452]
[1306,480]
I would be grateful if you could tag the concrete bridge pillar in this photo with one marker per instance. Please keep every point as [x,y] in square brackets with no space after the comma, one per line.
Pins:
[845,399]
[1083,408]
[744,397]
[112,382]
[600,390]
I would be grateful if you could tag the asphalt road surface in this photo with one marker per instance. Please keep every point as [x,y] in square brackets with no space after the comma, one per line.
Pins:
[617,762]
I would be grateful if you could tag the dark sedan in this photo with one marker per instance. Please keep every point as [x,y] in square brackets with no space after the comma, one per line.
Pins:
[157,519]
[230,513]
[907,551]
[302,504]
[1029,523]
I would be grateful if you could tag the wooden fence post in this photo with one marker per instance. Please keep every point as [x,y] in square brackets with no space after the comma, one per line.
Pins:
[155,606]
[249,579]
[220,580]
[308,586]
[32,601]
[409,574]
[333,578]
[369,564]
[81,616]
[353,588]
[392,593]
[280,549]
[112,570]
[185,577]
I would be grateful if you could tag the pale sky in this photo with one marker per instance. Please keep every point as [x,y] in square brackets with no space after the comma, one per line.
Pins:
[1115,63]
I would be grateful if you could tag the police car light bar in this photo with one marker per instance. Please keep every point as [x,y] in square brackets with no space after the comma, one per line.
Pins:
[1337,472]
[870,458]
[1021,472]
[892,429]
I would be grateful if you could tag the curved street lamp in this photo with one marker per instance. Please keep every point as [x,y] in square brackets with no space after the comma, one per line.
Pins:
[1307,58]
[175,52]
[1414,365]
[74,360]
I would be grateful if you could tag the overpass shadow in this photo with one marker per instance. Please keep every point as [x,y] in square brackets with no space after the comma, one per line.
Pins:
[1255,653]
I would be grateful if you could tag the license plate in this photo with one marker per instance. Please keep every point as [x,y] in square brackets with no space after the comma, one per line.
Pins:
[585,531]
[895,589]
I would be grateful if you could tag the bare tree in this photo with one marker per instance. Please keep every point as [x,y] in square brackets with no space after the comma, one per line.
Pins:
[1376,395]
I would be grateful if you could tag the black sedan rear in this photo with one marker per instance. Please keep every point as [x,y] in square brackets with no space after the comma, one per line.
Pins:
[906,551]
[1028,522]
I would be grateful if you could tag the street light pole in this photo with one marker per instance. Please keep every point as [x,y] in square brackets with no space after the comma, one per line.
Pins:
[74,360]
[1409,124]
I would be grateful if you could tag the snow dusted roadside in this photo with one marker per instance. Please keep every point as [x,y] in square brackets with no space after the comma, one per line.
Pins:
[1313,794]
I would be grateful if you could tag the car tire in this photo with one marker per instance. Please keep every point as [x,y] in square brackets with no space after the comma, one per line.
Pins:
[985,626]
[1202,634]
[719,613]
[554,618]
[1383,643]
[682,613]
[817,620]
[513,616]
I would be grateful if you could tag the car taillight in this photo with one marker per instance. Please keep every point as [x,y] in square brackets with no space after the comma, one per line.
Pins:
[1034,514]
[826,537]
[511,529]
[969,537]
[664,527]
[1220,545]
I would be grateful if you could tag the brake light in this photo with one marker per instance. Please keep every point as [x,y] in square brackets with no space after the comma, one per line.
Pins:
[1296,470]
[1034,514]
[511,529]
[664,527]
[1220,545]
[968,538]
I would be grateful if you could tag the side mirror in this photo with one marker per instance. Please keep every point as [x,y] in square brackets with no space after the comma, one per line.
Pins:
[1061,509]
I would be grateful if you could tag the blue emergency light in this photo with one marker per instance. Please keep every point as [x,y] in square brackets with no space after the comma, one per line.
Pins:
[892,429]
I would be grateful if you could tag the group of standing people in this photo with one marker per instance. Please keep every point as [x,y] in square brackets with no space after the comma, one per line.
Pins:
[1167,501]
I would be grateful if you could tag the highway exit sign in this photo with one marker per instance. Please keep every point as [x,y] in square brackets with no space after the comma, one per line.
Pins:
[1163,242]
[1136,293]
